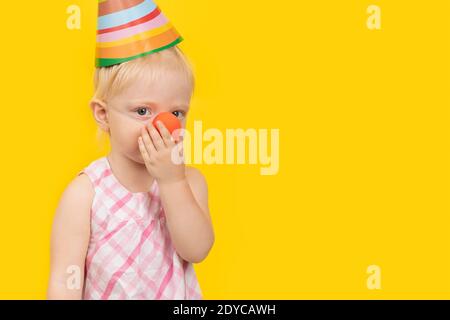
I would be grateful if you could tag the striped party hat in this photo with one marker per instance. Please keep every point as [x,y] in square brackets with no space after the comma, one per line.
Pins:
[129,29]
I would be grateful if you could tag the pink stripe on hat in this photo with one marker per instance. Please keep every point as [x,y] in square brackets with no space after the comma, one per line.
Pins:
[159,21]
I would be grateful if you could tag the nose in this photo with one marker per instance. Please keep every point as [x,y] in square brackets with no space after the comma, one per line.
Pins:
[170,121]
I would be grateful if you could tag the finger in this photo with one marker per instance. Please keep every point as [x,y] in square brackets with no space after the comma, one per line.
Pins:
[167,137]
[148,143]
[178,135]
[179,146]
[156,138]
[143,151]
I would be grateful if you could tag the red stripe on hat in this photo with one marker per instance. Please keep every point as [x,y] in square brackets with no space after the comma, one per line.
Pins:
[112,6]
[146,18]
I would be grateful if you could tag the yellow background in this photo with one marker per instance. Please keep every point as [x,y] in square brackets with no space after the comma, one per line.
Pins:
[364,142]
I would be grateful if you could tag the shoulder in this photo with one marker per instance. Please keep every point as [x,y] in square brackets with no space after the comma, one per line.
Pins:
[75,203]
[198,185]
[196,179]
[195,175]
[79,189]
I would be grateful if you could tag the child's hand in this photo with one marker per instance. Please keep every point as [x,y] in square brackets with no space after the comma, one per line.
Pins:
[156,150]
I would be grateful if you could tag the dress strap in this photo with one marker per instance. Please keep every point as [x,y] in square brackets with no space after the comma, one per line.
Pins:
[95,171]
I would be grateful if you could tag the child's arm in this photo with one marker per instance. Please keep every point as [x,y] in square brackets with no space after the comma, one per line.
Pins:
[189,222]
[183,193]
[69,240]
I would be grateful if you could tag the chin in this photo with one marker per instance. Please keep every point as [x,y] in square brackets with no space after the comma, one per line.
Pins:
[136,158]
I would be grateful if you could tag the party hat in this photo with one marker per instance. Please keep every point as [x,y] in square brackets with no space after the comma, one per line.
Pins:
[129,29]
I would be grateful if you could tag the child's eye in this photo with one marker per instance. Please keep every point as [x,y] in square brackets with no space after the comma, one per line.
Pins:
[142,111]
[178,114]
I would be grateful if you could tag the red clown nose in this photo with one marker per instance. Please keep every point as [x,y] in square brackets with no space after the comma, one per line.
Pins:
[170,121]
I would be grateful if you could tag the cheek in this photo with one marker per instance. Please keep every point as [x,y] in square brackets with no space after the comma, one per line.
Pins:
[126,132]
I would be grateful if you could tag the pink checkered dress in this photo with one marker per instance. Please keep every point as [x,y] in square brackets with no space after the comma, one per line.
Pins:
[130,253]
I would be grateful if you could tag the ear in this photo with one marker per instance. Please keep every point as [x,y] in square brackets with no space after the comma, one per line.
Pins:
[100,114]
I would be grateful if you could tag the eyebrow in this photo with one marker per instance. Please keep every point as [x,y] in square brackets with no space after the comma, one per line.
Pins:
[143,102]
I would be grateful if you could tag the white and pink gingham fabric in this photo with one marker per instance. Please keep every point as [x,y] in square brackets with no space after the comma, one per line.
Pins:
[130,253]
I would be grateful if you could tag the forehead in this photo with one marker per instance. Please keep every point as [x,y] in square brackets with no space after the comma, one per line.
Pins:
[169,88]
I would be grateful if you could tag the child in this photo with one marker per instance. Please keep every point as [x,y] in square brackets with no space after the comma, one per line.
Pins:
[132,223]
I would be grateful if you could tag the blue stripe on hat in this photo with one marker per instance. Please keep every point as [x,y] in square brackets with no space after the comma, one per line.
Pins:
[125,16]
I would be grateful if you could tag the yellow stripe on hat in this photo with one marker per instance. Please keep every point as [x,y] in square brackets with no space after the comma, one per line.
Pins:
[136,37]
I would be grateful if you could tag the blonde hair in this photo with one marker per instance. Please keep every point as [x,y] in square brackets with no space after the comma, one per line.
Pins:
[110,81]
